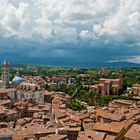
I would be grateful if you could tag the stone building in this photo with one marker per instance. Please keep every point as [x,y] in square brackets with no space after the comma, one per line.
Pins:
[18,88]
[37,95]
[135,90]
[107,87]
[5,74]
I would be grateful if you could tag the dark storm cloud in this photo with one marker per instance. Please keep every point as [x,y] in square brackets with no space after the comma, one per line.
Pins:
[66,32]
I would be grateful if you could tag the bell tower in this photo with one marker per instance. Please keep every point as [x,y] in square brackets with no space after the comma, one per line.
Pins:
[5,74]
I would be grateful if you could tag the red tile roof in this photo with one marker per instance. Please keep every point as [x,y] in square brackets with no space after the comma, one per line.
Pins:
[134,132]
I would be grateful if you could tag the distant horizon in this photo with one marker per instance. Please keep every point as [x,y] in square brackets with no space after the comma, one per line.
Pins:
[83,65]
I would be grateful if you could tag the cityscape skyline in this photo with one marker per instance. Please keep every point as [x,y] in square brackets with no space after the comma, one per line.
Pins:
[69,70]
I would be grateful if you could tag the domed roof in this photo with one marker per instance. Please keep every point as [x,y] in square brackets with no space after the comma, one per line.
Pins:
[17,79]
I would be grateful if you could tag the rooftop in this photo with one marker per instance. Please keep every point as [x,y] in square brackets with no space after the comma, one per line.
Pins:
[114,127]
[8,90]
[134,132]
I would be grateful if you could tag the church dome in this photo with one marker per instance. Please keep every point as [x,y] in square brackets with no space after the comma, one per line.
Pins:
[17,80]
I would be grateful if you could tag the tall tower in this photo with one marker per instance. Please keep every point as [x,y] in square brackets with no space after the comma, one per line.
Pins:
[5,74]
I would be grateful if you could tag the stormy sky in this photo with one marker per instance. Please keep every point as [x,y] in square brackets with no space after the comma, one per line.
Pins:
[69,31]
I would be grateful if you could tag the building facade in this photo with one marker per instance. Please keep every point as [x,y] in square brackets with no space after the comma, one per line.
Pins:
[135,90]
[107,87]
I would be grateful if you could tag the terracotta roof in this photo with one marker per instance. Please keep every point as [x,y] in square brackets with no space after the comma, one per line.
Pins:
[73,128]
[88,126]
[60,114]
[1,110]
[6,132]
[90,135]
[8,90]
[114,127]
[134,132]
[127,102]
[4,102]
[110,137]
[136,85]
[47,93]
[11,112]
[108,115]
[35,129]
[57,137]
[22,136]
[115,86]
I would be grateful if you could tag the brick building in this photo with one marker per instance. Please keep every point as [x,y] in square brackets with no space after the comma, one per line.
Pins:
[107,86]
[135,90]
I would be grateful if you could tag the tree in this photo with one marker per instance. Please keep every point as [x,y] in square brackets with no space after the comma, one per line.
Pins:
[75,105]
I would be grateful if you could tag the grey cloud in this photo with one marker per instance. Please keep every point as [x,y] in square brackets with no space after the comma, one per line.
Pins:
[80,30]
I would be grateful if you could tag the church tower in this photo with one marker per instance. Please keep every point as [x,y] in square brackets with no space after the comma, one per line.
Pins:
[5,74]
